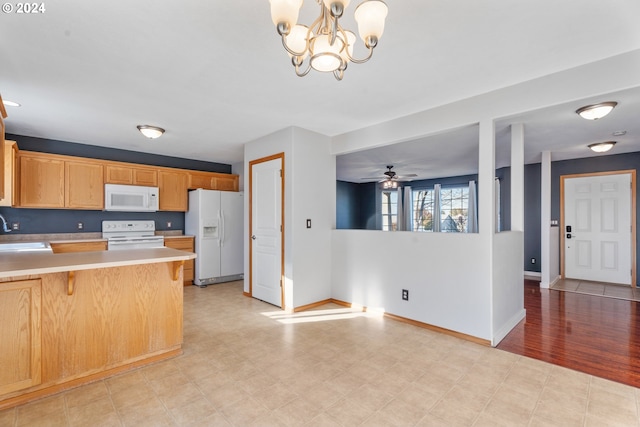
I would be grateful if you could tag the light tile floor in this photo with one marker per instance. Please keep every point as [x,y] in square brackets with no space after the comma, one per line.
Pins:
[247,363]
[609,290]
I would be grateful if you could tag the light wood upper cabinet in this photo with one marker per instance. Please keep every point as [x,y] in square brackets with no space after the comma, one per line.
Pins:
[173,190]
[84,185]
[53,181]
[213,181]
[128,175]
[201,180]
[44,180]
[3,114]
[227,183]
[41,181]
[9,151]
[20,335]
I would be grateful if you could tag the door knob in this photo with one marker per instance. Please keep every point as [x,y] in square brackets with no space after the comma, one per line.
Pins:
[253,237]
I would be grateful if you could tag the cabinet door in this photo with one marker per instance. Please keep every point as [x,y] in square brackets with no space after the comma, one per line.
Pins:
[147,177]
[115,174]
[84,187]
[20,331]
[66,247]
[227,184]
[201,180]
[41,181]
[173,190]
[185,243]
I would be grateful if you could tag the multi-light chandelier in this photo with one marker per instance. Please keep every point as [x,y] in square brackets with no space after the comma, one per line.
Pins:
[328,46]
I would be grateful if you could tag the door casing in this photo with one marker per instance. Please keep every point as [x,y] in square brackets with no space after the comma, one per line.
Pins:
[633,217]
[282,181]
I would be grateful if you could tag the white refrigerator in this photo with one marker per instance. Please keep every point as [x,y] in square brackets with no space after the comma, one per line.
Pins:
[215,219]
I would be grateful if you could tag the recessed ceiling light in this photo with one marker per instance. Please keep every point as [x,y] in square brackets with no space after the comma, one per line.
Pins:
[601,147]
[151,132]
[596,111]
[619,133]
[10,103]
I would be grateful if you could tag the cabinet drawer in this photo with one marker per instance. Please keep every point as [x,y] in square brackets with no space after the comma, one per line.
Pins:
[62,248]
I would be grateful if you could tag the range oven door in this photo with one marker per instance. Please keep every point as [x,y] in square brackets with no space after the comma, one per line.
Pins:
[121,243]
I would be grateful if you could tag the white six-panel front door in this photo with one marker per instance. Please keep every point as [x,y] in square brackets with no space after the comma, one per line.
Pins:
[597,233]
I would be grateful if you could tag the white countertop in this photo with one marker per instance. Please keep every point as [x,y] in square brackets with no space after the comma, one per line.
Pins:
[34,263]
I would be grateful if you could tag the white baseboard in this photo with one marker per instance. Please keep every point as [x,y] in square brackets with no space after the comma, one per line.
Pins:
[507,327]
[532,275]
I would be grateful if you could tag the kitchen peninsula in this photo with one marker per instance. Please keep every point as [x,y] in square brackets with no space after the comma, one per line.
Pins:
[71,318]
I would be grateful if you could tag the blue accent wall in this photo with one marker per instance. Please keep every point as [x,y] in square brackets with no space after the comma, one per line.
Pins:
[44,221]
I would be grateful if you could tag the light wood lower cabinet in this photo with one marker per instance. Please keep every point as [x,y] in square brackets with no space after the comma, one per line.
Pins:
[66,247]
[54,336]
[183,243]
[20,335]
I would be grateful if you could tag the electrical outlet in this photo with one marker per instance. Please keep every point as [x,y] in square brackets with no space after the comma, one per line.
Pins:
[405,295]
[80,226]
[15,226]
[533,260]
[168,224]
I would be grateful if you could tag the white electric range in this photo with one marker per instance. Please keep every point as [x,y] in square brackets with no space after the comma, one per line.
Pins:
[135,234]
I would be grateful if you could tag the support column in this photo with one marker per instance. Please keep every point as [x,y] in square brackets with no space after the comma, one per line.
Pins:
[545,219]
[517,177]
[486,175]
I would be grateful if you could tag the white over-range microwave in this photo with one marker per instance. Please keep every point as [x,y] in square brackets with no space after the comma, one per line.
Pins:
[130,198]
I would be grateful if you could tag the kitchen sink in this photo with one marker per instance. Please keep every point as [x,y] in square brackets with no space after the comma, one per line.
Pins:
[25,247]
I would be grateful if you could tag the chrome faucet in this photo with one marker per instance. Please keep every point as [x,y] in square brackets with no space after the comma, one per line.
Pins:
[5,226]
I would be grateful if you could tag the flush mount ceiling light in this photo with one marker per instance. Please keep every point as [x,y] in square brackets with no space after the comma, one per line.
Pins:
[151,132]
[596,111]
[328,46]
[601,147]
[10,103]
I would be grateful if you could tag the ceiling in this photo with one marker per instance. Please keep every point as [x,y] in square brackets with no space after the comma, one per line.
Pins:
[215,76]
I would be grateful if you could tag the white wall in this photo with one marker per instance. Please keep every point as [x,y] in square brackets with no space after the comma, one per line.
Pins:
[447,275]
[507,294]
[314,194]
[310,192]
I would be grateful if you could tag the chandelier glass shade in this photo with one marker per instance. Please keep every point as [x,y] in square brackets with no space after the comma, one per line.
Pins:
[327,46]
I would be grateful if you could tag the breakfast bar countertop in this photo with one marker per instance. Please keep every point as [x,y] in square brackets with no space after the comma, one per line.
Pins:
[34,263]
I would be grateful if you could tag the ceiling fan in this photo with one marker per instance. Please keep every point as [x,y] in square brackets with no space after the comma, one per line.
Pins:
[391,175]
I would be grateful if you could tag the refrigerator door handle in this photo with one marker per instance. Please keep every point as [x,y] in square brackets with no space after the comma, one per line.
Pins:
[222,231]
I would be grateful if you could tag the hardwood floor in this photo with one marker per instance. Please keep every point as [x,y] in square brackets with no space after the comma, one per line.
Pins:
[591,334]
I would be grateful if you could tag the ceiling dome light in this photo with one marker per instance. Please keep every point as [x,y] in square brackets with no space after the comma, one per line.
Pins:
[10,103]
[596,111]
[602,147]
[151,132]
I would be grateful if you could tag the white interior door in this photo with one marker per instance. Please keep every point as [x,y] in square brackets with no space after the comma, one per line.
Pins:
[598,228]
[266,231]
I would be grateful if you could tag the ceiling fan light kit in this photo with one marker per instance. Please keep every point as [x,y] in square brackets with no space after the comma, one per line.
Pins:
[151,132]
[602,147]
[596,111]
[328,46]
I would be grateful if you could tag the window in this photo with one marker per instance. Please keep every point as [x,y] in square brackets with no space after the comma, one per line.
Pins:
[454,203]
[423,210]
[389,210]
